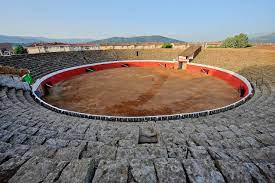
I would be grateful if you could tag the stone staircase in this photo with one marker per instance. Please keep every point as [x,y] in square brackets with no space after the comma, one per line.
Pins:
[39,145]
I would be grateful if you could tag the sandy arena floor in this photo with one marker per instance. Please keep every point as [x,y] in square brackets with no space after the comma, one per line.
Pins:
[137,91]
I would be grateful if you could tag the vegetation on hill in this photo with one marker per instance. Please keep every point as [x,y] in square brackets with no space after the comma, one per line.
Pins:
[211,46]
[237,41]
[167,45]
[19,49]
[138,39]
[29,40]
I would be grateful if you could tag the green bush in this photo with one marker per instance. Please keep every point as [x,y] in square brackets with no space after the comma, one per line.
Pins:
[210,46]
[238,41]
[167,45]
[19,49]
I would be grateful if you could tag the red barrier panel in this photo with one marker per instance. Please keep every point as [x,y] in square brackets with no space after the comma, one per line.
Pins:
[74,72]
[235,80]
[229,78]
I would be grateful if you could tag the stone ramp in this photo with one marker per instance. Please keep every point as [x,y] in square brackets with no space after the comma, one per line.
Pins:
[190,51]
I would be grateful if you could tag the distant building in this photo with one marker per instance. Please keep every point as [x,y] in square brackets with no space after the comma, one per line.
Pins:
[64,47]
[106,46]
[180,45]
[205,45]
[145,45]
[6,49]
[59,47]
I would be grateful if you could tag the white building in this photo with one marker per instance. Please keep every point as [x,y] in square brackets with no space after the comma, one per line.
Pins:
[59,47]
[6,49]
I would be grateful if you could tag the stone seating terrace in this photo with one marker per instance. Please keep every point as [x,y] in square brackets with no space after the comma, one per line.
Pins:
[51,62]
[39,145]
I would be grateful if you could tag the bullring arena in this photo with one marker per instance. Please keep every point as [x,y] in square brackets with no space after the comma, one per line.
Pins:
[118,116]
[153,91]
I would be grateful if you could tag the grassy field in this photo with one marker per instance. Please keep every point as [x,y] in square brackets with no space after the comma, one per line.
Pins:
[255,63]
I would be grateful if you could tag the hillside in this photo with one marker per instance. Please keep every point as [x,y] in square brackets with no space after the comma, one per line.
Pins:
[138,39]
[28,40]
[267,38]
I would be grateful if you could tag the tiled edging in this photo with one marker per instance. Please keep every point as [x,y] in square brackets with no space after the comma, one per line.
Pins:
[143,118]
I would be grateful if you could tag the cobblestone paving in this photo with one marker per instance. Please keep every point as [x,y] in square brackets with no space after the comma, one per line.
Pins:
[39,145]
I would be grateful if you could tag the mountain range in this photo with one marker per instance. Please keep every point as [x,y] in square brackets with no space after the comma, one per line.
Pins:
[138,39]
[29,40]
[262,38]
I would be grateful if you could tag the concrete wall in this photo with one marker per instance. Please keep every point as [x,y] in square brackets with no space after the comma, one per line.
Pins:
[66,48]
[59,48]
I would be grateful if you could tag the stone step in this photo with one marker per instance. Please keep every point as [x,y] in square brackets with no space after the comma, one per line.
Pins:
[39,169]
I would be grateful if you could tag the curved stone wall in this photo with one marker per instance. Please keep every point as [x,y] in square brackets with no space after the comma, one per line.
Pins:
[234,79]
[45,63]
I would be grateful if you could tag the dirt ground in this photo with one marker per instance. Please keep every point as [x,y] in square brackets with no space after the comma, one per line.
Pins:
[255,63]
[237,59]
[137,91]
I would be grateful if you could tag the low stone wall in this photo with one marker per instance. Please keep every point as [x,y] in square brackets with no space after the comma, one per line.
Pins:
[148,54]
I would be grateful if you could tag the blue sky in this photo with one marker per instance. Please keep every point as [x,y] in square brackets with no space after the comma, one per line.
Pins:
[191,20]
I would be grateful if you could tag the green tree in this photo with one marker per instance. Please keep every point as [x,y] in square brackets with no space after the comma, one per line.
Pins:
[238,41]
[19,49]
[167,45]
[242,40]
